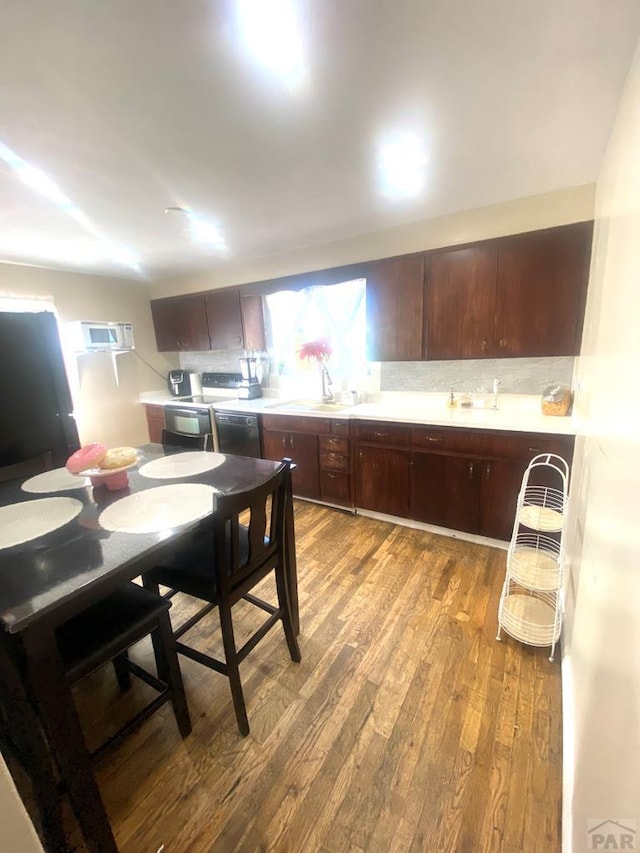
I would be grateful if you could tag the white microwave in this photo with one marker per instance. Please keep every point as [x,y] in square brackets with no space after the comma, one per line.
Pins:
[90,337]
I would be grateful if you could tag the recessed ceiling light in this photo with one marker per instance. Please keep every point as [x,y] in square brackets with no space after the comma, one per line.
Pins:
[402,164]
[271,33]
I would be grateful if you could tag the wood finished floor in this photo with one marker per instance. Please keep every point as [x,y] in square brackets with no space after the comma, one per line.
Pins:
[406,727]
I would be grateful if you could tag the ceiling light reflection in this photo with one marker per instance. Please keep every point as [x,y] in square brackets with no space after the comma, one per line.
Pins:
[37,180]
[402,163]
[271,32]
[206,232]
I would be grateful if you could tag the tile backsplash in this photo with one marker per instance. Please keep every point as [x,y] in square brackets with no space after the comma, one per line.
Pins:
[516,375]
[218,361]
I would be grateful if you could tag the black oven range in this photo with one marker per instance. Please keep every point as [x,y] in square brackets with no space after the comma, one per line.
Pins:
[194,422]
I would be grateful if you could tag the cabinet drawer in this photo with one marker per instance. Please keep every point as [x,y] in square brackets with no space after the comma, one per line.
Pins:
[293,423]
[373,432]
[490,444]
[524,446]
[449,440]
[340,427]
[334,487]
[334,462]
[334,444]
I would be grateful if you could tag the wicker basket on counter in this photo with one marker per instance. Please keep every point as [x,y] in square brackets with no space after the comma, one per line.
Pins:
[556,400]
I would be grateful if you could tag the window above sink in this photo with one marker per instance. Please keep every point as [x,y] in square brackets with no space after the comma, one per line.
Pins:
[332,312]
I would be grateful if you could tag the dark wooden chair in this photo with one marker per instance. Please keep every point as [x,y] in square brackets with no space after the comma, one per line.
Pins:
[173,442]
[100,634]
[224,562]
[105,631]
[27,468]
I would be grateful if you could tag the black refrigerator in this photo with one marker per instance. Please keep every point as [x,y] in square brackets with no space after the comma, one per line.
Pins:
[36,408]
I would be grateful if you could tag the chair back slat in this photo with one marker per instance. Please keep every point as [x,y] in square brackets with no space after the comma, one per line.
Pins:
[245,550]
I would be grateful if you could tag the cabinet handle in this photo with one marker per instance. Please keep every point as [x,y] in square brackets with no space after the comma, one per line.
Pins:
[484,346]
[503,342]
[433,439]
[380,434]
[331,475]
[471,470]
[360,454]
[284,441]
[487,470]
[534,450]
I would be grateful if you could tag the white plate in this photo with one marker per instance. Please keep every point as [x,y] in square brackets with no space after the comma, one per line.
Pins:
[24,521]
[159,509]
[58,480]
[182,465]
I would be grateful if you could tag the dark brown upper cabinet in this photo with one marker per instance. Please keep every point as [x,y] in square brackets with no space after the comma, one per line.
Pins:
[460,302]
[395,294]
[225,320]
[218,320]
[542,286]
[180,323]
[518,296]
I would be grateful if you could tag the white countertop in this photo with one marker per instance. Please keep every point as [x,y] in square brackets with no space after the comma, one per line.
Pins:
[516,412]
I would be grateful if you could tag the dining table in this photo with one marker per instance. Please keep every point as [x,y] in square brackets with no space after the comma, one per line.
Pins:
[48,578]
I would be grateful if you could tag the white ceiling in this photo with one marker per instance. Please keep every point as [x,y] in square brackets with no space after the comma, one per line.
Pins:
[131,106]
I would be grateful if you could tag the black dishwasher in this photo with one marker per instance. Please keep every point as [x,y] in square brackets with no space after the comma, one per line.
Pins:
[238,434]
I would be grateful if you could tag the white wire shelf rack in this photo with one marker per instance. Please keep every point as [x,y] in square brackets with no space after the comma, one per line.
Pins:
[530,608]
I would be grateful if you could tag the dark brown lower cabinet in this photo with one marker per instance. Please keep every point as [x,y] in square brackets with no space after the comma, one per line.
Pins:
[499,487]
[445,490]
[302,449]
[456,478]
[155,422]
[382,480]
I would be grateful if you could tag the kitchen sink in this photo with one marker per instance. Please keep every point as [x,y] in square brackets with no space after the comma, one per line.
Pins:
[310,406]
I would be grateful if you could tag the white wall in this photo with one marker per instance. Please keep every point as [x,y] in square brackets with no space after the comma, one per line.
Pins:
[105,411]
[573,204]
[601,663]
[18,834]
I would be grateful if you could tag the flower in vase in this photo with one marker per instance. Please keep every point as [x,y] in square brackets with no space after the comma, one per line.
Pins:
[319,351]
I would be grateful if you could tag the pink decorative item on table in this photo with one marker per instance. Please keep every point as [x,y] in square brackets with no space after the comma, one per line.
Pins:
[103,467]
[89,456]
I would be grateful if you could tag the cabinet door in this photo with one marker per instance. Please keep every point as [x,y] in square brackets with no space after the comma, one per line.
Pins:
[445,490]
[301,449]
[225,321]
[155,422]
[382,480]
[461,303]
[180,323]
[499,489]
[542,285]
[395,293]
[252,313]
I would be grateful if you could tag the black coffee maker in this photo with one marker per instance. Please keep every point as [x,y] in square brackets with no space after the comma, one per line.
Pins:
[249,387]
[184,383]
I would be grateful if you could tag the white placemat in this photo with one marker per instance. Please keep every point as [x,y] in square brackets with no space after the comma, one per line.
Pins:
[162,508]
[182,465]
[24,521]
[58,480]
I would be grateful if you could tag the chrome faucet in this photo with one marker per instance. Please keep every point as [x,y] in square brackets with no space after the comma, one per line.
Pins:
[327,395]
[496,383]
